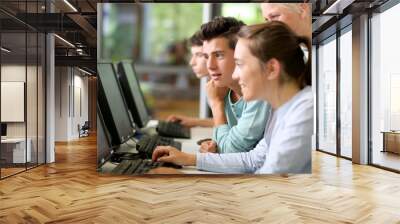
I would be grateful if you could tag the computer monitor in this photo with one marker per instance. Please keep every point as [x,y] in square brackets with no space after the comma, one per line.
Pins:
[132,93]
[115,115]
[3,129]
[103,140]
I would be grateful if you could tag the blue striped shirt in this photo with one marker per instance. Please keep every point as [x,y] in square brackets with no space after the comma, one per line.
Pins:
[285,148]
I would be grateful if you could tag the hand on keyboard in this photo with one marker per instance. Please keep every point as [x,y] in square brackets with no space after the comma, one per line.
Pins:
[172,155]
[208,146]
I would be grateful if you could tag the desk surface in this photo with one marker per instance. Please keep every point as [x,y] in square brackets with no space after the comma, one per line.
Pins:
[390,132]
[13,140]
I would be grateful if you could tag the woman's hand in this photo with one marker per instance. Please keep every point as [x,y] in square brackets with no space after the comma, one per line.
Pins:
[172,155]
[208,146]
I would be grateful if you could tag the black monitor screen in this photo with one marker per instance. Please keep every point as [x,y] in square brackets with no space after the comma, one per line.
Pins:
[103,139]
[132,93]
[111,103]
[3,129]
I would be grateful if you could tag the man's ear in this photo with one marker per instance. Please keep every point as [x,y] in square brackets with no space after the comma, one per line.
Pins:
[273,69]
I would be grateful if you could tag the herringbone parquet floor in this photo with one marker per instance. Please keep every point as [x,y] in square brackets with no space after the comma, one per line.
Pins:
[71,191]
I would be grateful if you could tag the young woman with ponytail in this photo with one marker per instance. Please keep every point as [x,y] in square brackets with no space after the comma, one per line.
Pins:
[270,66]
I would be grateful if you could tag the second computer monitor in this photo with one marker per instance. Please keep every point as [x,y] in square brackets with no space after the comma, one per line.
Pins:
[132,93]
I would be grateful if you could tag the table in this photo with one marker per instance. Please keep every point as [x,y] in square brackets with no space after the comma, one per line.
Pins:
[16,148]
[391,141]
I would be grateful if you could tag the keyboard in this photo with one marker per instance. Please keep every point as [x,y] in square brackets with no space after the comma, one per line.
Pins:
[148,143]
[173,129]
[138,166]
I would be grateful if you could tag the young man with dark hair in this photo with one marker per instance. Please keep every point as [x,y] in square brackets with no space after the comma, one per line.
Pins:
[238,125]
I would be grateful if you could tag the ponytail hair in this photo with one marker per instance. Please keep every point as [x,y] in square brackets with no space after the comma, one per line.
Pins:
[305,78]
[276,40]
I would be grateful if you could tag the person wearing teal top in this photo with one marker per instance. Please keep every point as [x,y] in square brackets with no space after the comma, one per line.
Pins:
[238,125]
[245,125]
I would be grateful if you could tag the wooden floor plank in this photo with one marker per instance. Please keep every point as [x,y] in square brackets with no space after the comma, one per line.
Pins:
[71,191]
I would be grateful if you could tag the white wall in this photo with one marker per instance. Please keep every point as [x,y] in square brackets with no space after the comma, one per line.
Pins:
[33,126]
[79,117]
[69,85]
[14,73]
[62,81]
[17,73]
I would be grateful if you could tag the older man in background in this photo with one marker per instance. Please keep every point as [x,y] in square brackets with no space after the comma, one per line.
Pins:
[296,15]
